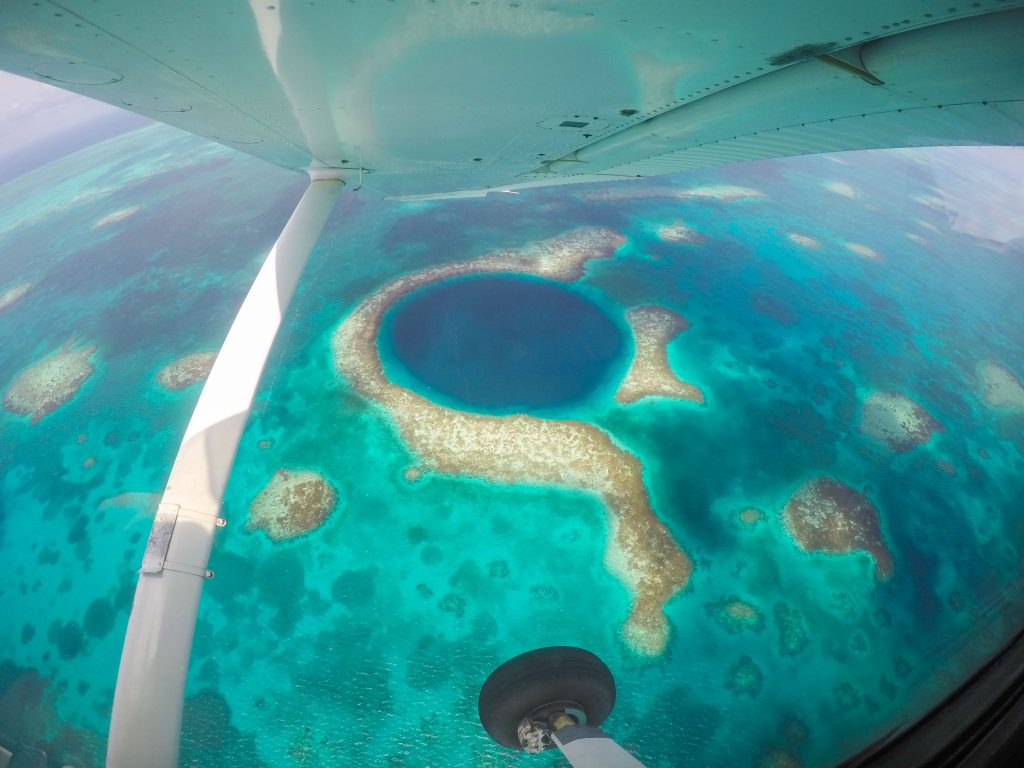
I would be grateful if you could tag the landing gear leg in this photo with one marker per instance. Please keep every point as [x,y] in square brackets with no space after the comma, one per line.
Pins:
[554,698]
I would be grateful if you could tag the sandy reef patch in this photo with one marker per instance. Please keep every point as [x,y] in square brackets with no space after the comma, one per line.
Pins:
[865,251]
[677,232]
[1000,388]
[291,504]
[10,296]
[804,241]
[826,515]
[116,216]
[896,420]
[49,383]
[186,371]
[650,374]
[841,188]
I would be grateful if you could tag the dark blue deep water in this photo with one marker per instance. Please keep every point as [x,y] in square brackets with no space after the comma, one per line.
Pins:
[503,342]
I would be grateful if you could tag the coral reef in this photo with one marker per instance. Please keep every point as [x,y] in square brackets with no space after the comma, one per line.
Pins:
[413,474]
[863,250]
[806,242]
[680,233]
[291,504]
[750,516]
[47,384]
[28,714]
[735,614]
[525,449]
[650,373]
[841,188]
[619,193]
[896,420]
[9,296]
[745,678]
[116,216]
[186,371]
[1000,388]
[825,515]
[792,633]
[725,192]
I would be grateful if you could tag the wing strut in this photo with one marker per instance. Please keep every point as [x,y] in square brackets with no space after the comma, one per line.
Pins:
[146,720]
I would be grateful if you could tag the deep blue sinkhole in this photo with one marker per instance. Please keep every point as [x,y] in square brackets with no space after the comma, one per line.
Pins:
[501,343]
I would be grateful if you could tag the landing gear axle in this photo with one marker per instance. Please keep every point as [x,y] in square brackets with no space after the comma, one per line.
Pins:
[554,698]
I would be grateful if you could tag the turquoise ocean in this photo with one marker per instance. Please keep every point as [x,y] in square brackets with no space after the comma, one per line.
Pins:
[365,642]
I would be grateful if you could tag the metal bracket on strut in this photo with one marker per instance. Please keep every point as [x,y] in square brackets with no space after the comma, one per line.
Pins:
[155,558]
[160,538]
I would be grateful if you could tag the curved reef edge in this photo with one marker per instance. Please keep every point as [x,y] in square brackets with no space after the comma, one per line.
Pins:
[525,449]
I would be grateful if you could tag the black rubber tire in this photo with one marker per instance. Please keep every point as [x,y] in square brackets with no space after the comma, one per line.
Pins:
[533,679]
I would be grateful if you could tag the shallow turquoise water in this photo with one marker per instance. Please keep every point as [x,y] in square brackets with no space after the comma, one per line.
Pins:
[365,642]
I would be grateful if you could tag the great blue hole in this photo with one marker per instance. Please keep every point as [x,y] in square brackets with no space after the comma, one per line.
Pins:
[500,343]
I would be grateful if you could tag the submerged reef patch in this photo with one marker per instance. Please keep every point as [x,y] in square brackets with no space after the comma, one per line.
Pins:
[750,516]
[9,296]
[826,515]
[735,614]
[793,636]
[186,371]
[804,240]
[841,188]
[623,192]
[525,449]
[897,421]
[291,504]
[680,233]
[863,250]
[999,387]
[28,714]
[745,678]
[47,384]
[650,373]
[116,216]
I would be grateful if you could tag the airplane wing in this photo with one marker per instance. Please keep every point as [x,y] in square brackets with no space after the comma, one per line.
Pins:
[425,97]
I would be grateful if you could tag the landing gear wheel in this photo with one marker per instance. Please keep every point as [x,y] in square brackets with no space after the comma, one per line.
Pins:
[539,683]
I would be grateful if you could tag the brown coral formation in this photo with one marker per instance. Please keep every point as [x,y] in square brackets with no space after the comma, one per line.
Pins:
[825,515]
[47,384]
[10,295]
[186,371]
[751,516]
[897,421]
[735,614]
[650,374]
[1000,388]
[525,449]
[291,504]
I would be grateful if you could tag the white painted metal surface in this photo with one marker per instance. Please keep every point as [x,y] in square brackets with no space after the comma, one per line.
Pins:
[439,96]
[593,751]
[146,718]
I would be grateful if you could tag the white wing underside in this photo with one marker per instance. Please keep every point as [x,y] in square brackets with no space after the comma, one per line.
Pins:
[453,97]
